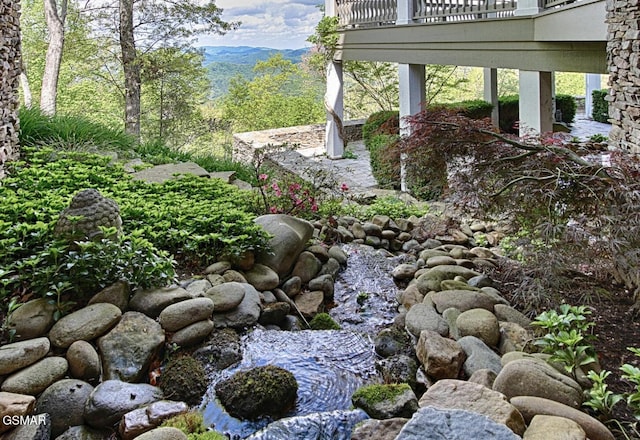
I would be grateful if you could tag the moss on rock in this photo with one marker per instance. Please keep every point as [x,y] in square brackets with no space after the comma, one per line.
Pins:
[261,391]
[184,379]
[380,392]
[322,321]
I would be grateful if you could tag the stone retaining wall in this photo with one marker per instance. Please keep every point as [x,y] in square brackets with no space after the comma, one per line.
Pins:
[9,77]
[623,57]
[245,145]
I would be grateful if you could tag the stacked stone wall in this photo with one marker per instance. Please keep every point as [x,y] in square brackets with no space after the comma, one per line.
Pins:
[9,80]
[623,56]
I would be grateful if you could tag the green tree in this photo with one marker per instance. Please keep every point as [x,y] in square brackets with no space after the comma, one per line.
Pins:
[281,94]
[174,86]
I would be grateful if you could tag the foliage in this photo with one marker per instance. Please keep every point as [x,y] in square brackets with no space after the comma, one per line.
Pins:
[374,124]
[280,95]
[378,393]
[322,321]
[474,109]
[385,160]
[190,423]
[195,219]
[391,206]
[69,132]
[585,213]
[567,336]
[184,379]
[600,398]
[567,106]
[600,110]
[632,374]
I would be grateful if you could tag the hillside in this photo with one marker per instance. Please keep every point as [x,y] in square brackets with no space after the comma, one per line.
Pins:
[225,62]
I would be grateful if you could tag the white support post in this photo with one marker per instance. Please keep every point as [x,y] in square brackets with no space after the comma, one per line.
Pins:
[536,102]
[528,7]
[405,12]
[335,112]
[334,100]
[491,93]
[593,82]
[412,100]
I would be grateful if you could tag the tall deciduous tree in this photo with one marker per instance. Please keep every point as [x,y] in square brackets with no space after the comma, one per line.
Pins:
[144,25]
[55,16]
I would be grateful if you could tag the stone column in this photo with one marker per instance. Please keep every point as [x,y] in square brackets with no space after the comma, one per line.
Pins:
[490,77]
[9,80]
[536,102]
[623,59]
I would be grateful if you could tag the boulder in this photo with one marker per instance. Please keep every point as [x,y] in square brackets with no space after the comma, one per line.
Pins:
[116,294]
[83,432]
[153,301]
[470,396]
[440,261]
[166,433]
[39,428]
[262,277]
[373,429]
[18,355]
[483,377]
[292,286]
[507,313]
[245,315]
[398,368]
[338,254]
[289,238]
[307,267]
[184,313]
[64,401]
[85,324]
[331,267]
[544,427]
[480,323]
[424,317]
[197,288]
[441,358]
[32,319]
[453,424]
[128,349]
[431,279]
[218,268]
[525,377]
[324,283]
[35,378]
[234,276]
[13,404]
[530,406]
[513,337]
[386,401]
[112,399]
[310,303]
[261,391]
[274,313]
[141,420]
[84,362]
[192,334]
[226,296]
[462,300]
[404,271]
[479,356]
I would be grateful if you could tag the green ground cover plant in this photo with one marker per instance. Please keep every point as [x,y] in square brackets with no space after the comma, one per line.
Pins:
[191,219]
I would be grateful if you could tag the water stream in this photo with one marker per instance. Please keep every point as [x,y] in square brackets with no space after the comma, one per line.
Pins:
[328,365]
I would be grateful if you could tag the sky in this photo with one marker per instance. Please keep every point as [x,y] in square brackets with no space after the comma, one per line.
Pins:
[277,24]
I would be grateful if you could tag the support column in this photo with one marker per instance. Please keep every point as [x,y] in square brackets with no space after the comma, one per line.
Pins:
[412,101]
[334,133]
[593,82]
[536,102]
[334,100]
[490,76]
[528,7]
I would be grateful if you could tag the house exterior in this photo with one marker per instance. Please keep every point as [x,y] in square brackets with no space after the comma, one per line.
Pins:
[537,37]
[9,77]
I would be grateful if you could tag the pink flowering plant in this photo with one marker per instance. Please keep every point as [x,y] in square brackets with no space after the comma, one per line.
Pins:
[280,197]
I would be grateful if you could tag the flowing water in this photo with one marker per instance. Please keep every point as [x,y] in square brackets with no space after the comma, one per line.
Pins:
[329,365]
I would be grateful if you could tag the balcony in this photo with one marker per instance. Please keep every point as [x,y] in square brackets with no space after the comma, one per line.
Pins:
[536,35]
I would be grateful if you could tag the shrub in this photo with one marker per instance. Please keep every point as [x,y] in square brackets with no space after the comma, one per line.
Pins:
[374,122]
[385,160]
[600,110]
[567,106]
[184,379]
[474,109]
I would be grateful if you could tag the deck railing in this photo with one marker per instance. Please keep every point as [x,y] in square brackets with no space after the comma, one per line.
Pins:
[366,13]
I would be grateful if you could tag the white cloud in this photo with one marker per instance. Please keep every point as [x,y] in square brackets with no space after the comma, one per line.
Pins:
[267,23]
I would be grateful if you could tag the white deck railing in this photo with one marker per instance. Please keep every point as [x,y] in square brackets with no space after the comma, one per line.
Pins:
[366,13]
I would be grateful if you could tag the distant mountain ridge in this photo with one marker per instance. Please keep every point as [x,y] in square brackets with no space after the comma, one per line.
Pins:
[247,54]
[225,62]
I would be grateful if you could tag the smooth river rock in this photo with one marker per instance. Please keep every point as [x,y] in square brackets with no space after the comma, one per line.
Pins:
[245,315]
[153,301]
[424,317]
[64,401]
[85,324]
[128,349]
[32,319]
[35,378]
[226,296]
[84,362]
[184,313]
[22,354]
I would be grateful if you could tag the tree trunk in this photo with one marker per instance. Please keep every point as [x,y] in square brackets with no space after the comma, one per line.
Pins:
[131,69]
[26,89]
[53,59]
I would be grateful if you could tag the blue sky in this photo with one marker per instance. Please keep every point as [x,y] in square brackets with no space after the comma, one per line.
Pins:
[279,24]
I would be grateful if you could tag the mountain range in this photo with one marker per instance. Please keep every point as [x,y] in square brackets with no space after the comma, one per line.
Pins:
[225,62]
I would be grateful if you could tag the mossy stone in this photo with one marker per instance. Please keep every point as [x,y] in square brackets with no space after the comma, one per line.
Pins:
[184,379]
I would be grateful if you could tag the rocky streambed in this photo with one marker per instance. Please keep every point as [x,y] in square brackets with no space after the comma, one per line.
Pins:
[449,334]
